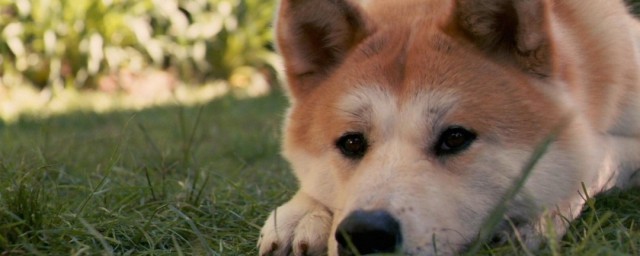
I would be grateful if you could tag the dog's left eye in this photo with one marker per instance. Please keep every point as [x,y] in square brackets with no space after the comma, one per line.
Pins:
[353,145]
[453,140]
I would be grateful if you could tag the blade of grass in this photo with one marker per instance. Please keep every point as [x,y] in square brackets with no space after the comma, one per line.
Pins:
[150,141]
[149,184]
[115,157]
[188,136]
[497,214]
[195,229]
[103,241]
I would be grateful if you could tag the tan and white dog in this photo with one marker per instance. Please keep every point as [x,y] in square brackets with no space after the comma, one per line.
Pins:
[411,119]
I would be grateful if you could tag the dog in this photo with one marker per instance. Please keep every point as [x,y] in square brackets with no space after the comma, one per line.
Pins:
[412,121]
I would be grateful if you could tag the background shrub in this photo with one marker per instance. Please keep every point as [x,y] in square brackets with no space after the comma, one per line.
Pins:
[71,43]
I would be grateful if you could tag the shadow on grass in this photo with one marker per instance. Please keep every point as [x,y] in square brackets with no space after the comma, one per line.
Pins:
[166,180]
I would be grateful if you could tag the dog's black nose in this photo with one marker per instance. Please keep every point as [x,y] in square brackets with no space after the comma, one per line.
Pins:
[368,232]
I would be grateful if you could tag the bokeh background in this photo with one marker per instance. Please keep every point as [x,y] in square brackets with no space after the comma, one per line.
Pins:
[60,55]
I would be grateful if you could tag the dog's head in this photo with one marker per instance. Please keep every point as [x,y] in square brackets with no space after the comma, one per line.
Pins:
[411,119]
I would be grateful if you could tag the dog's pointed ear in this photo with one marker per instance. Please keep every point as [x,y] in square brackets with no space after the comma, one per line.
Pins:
[314,36]
[518,30]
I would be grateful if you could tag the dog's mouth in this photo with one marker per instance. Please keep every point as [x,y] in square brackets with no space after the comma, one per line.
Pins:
[503,233]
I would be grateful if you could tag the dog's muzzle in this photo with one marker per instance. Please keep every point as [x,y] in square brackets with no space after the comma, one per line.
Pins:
[367,232]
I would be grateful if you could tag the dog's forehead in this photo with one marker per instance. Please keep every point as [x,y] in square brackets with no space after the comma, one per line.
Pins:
[370,105]
[437,86]
[407,11]
[408,58]
[411,76]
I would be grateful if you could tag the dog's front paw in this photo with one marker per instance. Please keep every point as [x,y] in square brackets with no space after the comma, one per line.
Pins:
[299,227]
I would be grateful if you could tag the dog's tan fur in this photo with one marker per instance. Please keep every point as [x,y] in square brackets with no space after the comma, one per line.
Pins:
[515,71]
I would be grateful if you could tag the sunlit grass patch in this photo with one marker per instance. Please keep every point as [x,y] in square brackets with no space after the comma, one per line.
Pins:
[24,100]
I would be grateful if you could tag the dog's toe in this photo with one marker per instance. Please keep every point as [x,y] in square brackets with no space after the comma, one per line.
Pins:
[312,233]
[296,229]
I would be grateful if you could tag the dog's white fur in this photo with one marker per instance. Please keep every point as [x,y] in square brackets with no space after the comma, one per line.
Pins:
[402,71]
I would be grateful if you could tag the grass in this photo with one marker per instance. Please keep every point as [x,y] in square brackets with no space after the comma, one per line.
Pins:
[189,181]
[164,181]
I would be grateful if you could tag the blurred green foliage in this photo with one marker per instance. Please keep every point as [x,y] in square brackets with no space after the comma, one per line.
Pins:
[71,43]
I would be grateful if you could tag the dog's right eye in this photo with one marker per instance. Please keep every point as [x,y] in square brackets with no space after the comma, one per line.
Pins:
[453,140]
[352,145]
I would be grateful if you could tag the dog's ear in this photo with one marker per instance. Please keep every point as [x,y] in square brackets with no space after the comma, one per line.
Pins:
[515,30]
[314,37]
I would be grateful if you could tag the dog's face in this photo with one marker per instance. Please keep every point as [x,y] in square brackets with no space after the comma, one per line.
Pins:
[414,120]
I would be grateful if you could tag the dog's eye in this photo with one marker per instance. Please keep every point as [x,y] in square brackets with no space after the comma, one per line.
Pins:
[352,145]
[453,140]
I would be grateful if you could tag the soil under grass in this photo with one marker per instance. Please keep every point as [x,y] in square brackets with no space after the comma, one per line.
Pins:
[188,181]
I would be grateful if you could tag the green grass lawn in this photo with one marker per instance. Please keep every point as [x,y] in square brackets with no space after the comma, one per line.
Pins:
[166,181]
[185,181]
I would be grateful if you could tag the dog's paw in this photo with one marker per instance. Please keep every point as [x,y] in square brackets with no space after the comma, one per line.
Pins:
[299,227]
